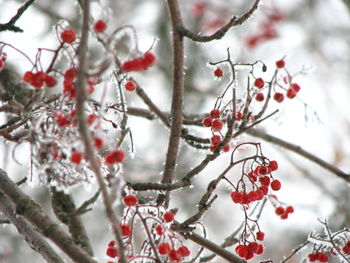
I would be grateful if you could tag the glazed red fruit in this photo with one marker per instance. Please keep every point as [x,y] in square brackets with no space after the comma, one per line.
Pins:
[291,93]
[253,246]
[226,148]
[279,97]
[242,251]
[175,255]
[265,180]
[100,26]
[68,36]
[112,252]
[164,248]
[70,73]
[130,86]
[28,76]
[295,87]
[215,139]
[98,142]
[260,249]
[215,114]
[76,157]
[148,59]
[207,122]
[322,257]
[259,83]
[280,210]
[217,125]
[312,257]
[346,250]
[236,197]
[130,200]
[50,81]
[289,209]
[260,236]
[280,63]
[159,229]
[184,251]
[115,157]
[218,72]
[126,230]
[273,165]
[275,185]
[168,217]
[259,97]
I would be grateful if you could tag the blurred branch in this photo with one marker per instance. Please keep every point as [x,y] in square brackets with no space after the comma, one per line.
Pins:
[64,208]
[235,21]
[177,99]
[298,150]
[10,26]
[33,238]
[33,212]
[84,131]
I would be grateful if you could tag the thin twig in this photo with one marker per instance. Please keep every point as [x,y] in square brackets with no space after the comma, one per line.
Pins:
[11,24]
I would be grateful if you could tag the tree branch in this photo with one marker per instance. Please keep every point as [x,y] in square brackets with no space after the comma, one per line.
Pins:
[222,31]
[84,130]
[298,150]
[33,238]
[10,26]
[33,212]
[177,98]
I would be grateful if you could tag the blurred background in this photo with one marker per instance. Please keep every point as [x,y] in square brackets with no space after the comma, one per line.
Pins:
[314,38]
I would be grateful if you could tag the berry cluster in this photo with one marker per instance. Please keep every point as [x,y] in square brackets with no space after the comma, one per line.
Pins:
[318,256]
[267,29]
[176,255]
[114,157]
[248,251]
[261,173]
[291,90]
[38,79]
[283,212]
[140,63]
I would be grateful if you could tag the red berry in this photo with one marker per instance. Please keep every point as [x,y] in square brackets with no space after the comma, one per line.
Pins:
[70,73]
[275,185]
[91,118]
[50,81]
[312,257]
[130,86]
[242,251]
[130,200]
[133,65]
[112,252]
[119,156]
[322,257]
[259,83]
[215,139]
[168,217]
[260,236]
[346,250]
[289,209]
[280,63]
[279,97]
[273,165]
[68,36]
[217,125]
[100,26]
[218,72]
[126,230]
[291,93]
[159,229]
[264,189]
[76,157]
[28,76]
[226,148]
[207,122]
[111,243]
[253,246]
[164,248]
[175,255]
[236,197]
[215,114]
[280,211]
[260,249]
[239,116]
[259,96]
[262,170]
[98,142]
[148,59]
[265,180]
[184,251]
[295,87]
